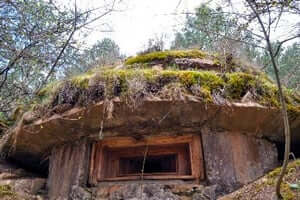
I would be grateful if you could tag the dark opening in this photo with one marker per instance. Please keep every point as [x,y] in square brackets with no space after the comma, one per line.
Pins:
[153,164]
[294,149]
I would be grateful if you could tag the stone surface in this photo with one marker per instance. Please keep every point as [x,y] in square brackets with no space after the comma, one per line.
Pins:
[68,170]
[196,63]
[154,191]
[29,143]
[23,184]
[233,159]
[79,193]
[233,153]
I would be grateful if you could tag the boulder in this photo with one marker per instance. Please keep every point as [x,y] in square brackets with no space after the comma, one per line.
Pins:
[20,183]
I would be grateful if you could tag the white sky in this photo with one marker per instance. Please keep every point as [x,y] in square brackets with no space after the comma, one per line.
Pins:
[140,20]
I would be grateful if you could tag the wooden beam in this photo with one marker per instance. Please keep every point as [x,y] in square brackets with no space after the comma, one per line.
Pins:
[197,158]
[92,178]
[157,140]
[157,177]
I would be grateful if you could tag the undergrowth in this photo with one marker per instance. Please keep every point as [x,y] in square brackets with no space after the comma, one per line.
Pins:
[265,186]
[291,176]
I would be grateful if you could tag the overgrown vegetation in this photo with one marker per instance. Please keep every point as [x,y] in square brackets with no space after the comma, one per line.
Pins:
[291,177]
[139,81]
[135,84]
[265,185]
[164,56]
[6,192]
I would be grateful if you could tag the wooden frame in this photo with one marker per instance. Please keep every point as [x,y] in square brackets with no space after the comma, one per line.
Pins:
[106,155]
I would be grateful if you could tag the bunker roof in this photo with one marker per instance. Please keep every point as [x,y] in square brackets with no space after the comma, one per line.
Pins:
[169,92]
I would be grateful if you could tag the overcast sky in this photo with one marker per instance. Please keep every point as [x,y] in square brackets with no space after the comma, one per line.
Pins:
[140,20]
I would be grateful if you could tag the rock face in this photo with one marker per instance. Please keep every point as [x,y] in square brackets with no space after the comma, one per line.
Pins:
[19,183]
[154,191]
[233,159]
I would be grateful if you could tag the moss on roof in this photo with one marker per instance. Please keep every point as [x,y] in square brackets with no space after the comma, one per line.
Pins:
[164,55]
[136,83]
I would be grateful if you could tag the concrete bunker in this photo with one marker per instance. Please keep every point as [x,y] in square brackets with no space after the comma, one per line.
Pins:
[179,133]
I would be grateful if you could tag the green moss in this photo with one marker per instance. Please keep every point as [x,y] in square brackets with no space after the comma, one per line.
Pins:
[49,89]
[292,165]
[163,55]
[206,94]
[4,122]
[268,92]
[117,81]
[216,61]
[82,81]
[286,191]
[236,84]
[209,79]
[6,190]
[239,83]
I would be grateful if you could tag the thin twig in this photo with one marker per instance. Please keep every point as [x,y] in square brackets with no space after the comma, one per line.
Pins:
[143,168]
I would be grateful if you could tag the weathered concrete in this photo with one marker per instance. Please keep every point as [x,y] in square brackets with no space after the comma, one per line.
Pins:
[68,170]
[233,159]
[29,143]
[234,153]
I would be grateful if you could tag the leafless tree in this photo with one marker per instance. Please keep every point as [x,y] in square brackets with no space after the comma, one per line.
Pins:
[37,38]
[266,16]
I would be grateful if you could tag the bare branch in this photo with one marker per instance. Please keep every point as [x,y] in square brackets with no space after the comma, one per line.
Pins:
[75,28]
[284,41]
[63,48]
[13,62]
[99,17]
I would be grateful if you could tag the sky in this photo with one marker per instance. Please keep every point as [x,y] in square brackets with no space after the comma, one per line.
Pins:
[136,21]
